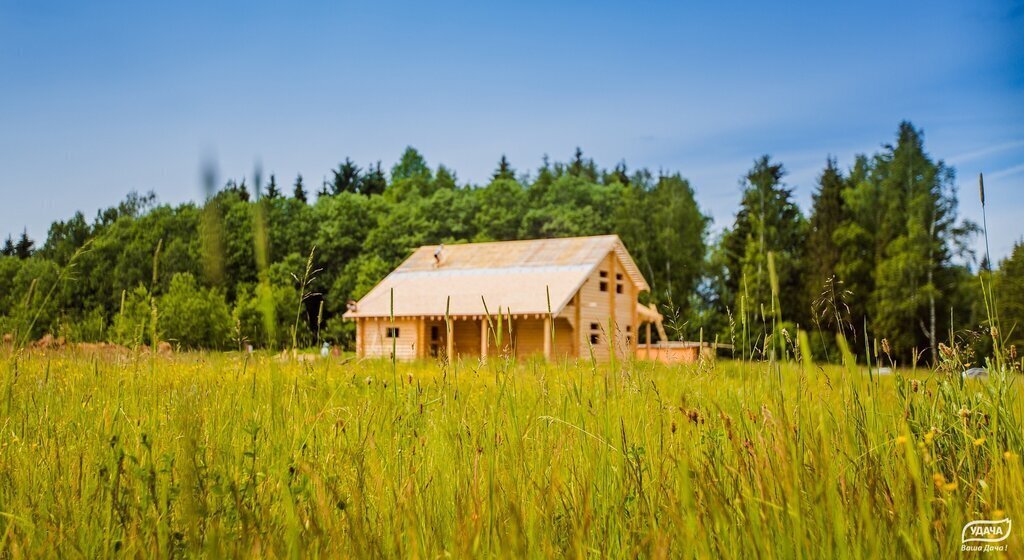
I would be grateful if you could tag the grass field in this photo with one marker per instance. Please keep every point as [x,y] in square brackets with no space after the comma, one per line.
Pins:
[234,455]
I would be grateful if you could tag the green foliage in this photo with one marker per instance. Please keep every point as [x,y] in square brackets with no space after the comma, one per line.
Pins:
[502,206]
[504,170]
[250,318]
[65,238]
[856,241]
[410,166]
[8,248]
[89,327]
[882,249]
[825,291]
[1009,292]
[768,222]
[24,247]
[34,313]
[132,326]
[827,212]
[194,317]
[9,267]
[918,234]
[347,178]
[299,193]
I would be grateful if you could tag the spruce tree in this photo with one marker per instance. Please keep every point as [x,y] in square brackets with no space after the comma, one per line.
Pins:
[444,178]
[8,248]
[243,191]
[374,182]
[272,190]
[300,191]
[822,253]
[856,239]
[918,232]
[617,175]
[769,221]
[582,167]
[346,178]
[504,170]
[24,248]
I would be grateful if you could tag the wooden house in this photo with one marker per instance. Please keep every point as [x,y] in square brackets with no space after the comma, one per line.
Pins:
[558,298]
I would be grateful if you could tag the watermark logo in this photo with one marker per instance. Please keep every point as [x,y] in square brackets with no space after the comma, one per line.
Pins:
[987,534]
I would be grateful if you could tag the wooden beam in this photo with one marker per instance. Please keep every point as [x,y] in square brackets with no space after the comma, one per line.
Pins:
[359,338]
[634,320]
[613,285]
[421,336]
[578,329]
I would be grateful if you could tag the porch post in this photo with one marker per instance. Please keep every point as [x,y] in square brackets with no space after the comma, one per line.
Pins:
[421,336]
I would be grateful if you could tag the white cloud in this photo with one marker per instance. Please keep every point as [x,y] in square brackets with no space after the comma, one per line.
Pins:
[1008,172]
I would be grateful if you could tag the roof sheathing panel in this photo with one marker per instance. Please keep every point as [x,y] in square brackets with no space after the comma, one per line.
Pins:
[517,276]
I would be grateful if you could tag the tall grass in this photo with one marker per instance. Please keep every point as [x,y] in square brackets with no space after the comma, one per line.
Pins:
[98,458]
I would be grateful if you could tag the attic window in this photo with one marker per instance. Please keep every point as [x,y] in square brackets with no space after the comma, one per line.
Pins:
[618,277]
[618,288]
[392,332]
[604,274]
[594,338]
[604,286]
[594,326]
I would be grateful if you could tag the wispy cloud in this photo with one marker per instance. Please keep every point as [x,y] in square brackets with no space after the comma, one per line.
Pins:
[1008,172]
[986,151]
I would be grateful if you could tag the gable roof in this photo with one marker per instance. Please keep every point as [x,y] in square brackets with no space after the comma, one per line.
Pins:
[516,276]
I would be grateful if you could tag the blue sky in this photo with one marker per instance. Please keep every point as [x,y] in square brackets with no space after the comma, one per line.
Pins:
[100,98]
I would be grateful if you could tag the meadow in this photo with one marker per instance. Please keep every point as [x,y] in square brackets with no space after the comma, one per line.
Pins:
[238,455]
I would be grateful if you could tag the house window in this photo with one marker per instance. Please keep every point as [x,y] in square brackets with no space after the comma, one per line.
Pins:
[594,326]
[594,337]
[618,277]
[604,286]
[618,288]
[604,274]
[434,333]
[392,332]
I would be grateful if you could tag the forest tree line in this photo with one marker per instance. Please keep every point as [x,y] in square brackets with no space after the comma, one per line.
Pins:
[882,253]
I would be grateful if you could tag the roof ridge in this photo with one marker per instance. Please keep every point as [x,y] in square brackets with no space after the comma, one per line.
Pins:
[532,240]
